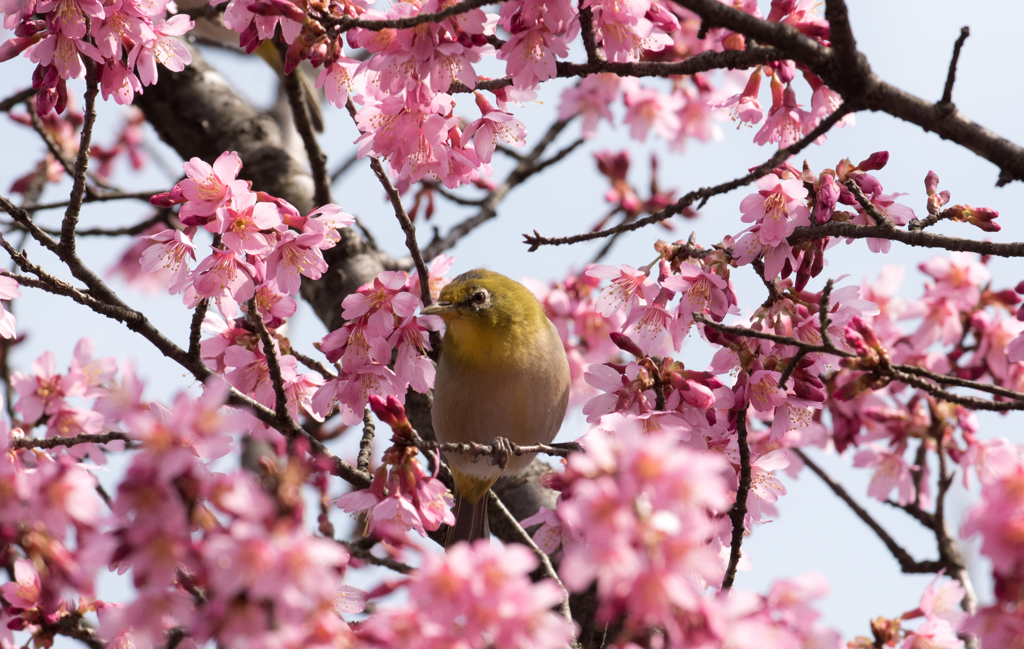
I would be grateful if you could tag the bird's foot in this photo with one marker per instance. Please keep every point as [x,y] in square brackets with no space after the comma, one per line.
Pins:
[501,451]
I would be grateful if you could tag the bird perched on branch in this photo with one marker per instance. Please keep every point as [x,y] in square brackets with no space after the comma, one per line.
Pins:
[502,375]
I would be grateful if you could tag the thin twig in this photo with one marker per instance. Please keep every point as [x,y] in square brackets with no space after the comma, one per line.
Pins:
[96,198]
[312,364]
[536,240]
[363,554]
[343,24]
[947,91]
[74,209]
[53,442]
[403,218]
[918,239]
[738,512]
[519,535]
[17,98]
[527,166]
[273,365]
[304,125]
[907,563]
[366,442]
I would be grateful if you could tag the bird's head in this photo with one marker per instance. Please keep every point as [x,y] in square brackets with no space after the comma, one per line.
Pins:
[484,311]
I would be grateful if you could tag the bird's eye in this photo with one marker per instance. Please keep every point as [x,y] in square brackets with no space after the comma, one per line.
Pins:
[479,297]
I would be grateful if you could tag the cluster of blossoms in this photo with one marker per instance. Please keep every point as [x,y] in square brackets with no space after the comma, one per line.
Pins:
[476,596]
[414,500]
[998,518]
[939,606]
[124,40]
[406,85]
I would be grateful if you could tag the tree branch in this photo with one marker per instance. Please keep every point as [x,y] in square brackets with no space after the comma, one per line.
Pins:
[535,240]
[907,563]
[738,512]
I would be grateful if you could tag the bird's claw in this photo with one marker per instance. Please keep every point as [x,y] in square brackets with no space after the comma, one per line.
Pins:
[501,451]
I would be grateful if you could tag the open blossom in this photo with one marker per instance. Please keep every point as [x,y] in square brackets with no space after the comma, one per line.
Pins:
[242,223]
[626,283]
[590,98]
[530,56]
[891,472]
[699,290]
[209,187]
[170,253]
[385,298]
[160,45]
[648,108]
[26,589]
[786,119]
[8,291]
[745,107]
[493,125]
[778,207]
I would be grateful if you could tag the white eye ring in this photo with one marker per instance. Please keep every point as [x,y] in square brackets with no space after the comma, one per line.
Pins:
[480,299]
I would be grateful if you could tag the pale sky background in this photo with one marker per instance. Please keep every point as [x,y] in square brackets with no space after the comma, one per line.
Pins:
[908,43]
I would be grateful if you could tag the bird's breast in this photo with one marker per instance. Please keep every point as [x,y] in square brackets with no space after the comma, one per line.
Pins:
[521,397]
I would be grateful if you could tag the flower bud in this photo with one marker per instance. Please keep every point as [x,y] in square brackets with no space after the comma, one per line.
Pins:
[874,161]
[626,344]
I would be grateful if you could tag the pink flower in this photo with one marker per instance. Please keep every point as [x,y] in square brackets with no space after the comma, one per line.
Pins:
[384,299]
[626,283]
[999,518]
[26,589]
[493,125]
[647,108]
[627,391]
[295,255]
[700,290]
[411,363]
[118,80]
[530,56]
[590,99]
[8,291]
[223,273]
[353,392]
[778,207]
[891,471]
[169,253]
[933,634]
[242,223]
[745,107]
[68,16]
[64,53]
[474,596]
[786,120]
[160,45]
[765,393]
[338,80]
[208,188]
[650,325]
[764,486]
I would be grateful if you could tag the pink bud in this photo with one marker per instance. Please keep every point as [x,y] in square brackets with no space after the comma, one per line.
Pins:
[874,161]
[626,344]
[169,199]
[931,182]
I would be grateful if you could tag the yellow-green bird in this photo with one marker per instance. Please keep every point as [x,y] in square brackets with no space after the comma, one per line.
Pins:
[503,373]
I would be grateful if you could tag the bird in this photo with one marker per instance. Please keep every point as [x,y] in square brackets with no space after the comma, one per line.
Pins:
[502,375]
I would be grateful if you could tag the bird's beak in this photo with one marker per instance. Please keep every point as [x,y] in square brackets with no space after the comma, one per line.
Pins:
[438,308]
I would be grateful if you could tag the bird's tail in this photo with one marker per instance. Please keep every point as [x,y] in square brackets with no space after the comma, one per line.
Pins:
[470,509]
